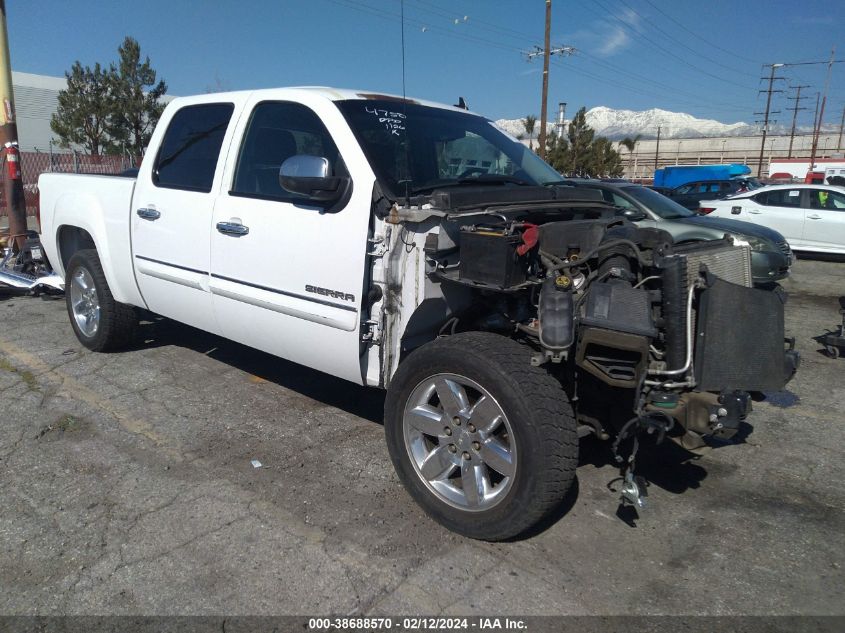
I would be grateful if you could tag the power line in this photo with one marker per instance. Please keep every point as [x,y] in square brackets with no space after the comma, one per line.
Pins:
[472,20]
[680,43]
[666,51]
[693,33]
[394,17]
[441,11]
[600,62]
[639,90]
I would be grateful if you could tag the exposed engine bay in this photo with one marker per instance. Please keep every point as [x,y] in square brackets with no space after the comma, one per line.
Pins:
[647,336]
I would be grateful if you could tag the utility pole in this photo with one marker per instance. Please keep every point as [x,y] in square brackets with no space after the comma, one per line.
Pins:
[657,148]
[541,151]
[797,98]
[841,125]
[15,203]
[767,113]
[547,51]
[821,111]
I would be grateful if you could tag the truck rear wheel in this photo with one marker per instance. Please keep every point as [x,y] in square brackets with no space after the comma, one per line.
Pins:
[99,322]
[483,441]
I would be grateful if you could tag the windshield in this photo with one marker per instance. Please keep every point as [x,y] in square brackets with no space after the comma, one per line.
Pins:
[658,203]
[415,149]
[752,183]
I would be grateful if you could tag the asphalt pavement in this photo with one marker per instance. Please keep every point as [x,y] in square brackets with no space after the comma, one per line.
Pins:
[127,486]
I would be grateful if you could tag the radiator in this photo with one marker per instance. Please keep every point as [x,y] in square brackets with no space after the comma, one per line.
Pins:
[731,263]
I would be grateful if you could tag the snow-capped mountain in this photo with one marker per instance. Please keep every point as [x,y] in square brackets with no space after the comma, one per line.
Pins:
[617,124]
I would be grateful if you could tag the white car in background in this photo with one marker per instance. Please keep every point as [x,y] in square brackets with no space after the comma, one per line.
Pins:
[810,217]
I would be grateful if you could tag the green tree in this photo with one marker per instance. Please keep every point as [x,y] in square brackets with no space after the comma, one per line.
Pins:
[84,109]
[135,98]
[581,153]
[603,160]
[630,143]
[528,124]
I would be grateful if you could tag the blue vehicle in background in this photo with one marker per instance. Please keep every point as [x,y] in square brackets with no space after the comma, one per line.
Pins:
[688,185]
[674,176]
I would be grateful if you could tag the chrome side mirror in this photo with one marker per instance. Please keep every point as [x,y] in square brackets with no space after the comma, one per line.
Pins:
[309,176]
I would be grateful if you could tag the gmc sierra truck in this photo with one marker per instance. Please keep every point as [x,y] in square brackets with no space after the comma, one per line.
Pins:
[416,248]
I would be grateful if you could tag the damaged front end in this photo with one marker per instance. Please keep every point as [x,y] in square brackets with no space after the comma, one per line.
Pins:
[647,336]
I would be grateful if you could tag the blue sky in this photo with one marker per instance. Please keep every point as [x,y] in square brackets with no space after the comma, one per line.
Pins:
[704,58]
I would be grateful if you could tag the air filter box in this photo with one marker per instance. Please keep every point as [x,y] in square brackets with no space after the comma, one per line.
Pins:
[617,306]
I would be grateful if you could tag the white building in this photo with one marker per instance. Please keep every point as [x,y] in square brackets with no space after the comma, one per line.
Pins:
[36,99]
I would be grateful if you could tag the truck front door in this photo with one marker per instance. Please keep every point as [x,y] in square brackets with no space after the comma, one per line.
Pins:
[171,213]
[288,275]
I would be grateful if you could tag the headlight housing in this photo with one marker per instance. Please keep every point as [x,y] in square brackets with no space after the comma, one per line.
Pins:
[757,244]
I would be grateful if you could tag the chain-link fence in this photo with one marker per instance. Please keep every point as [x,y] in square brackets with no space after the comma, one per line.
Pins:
[33,164]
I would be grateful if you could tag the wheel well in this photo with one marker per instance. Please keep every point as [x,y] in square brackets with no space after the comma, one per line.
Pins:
[72,239]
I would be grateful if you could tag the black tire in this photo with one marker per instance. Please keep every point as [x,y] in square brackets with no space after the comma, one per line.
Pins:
[118,322]
[539,414]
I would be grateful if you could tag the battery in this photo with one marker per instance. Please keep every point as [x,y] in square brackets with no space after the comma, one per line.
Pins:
[488,257]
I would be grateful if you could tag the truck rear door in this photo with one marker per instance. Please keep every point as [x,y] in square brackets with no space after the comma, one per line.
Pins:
[287,275]
[172,209]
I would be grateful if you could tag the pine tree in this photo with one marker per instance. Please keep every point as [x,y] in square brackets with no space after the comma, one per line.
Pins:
[84,109]
[581,153]
[135,99]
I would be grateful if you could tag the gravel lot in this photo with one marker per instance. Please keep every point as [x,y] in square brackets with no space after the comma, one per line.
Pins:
[126,487]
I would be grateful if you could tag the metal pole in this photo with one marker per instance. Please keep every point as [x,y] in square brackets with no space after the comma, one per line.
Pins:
[541,151]
[15,203]
[795,110]
[657,148]
[821,112]
[561,117]
[766,119]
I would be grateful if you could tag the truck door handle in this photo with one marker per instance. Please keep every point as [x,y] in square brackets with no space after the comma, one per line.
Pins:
[755,212]
[815,217]
[232,228]
[148,214]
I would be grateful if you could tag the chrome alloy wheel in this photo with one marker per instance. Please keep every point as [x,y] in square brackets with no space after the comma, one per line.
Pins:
[460,442]
[85,302]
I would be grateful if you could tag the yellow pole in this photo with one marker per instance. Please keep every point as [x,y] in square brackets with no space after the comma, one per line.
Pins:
[15,203]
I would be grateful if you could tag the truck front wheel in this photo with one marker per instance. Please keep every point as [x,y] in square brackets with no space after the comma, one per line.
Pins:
[99,322]
[483,441]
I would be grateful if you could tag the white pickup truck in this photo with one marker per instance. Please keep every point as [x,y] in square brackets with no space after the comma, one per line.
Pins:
[417,248]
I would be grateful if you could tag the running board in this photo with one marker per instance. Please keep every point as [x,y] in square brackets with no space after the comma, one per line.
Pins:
[28,282]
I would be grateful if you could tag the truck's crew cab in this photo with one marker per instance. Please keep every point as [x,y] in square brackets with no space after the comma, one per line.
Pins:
[417,248]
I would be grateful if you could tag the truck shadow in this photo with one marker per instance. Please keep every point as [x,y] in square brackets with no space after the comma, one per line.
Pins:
[360,401]
[667,466]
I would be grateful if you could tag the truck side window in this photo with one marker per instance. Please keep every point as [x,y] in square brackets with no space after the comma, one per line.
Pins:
[190,149]
[277,131]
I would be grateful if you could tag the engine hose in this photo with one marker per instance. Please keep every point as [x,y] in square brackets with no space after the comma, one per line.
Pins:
[582,257]
[617,262]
